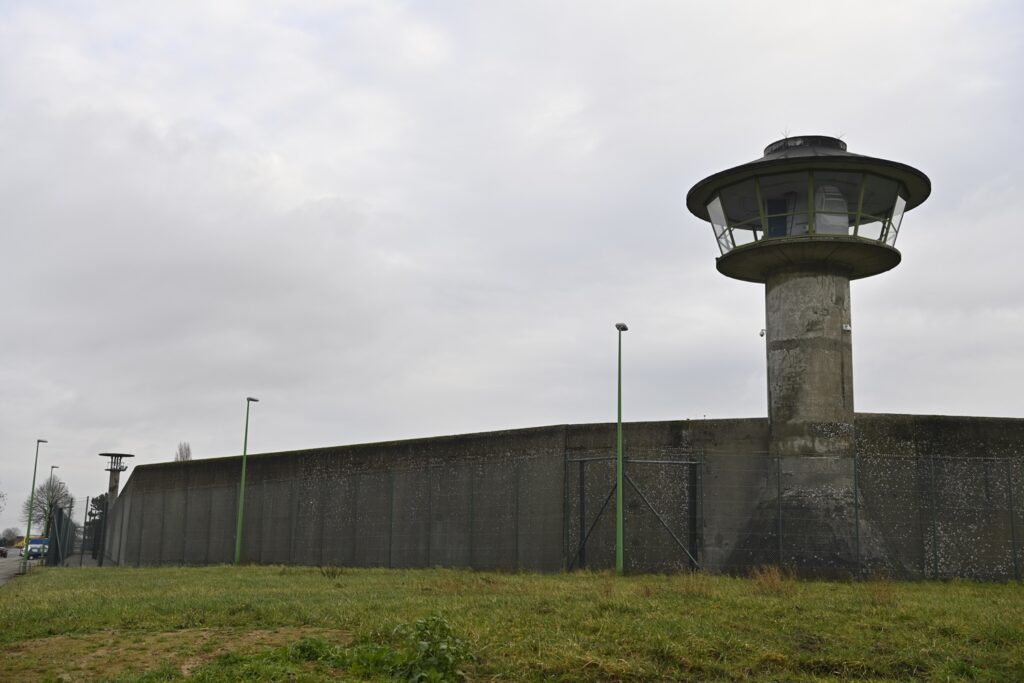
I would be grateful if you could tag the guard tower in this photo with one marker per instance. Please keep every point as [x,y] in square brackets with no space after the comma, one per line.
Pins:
[115,466]
[805,219]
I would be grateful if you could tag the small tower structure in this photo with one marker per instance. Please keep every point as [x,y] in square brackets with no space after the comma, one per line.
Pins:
[804,220]
[115,465]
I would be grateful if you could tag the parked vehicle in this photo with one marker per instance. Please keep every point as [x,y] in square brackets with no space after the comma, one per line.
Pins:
[3,552]
[37,548]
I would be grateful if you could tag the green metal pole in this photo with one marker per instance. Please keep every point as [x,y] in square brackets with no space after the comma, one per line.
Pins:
[241,485]
[31,504]
[619,526]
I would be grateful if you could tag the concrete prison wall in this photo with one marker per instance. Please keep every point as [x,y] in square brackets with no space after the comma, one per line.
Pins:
[922,497]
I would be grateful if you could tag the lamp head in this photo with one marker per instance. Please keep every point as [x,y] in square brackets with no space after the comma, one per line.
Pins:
[621,327]
[251,399]
[42,441]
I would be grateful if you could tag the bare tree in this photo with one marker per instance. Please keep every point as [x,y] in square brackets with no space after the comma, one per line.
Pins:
[9,535]
[3,501]
[184,452]
[50,495]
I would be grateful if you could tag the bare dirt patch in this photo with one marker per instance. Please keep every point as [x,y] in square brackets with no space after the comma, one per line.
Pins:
[109,654]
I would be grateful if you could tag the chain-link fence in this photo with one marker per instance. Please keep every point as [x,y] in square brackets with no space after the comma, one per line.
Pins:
[72,537]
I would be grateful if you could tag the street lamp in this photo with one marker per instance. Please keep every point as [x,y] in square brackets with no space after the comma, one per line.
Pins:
[31,504]
[52,468]
[619,535]
[241,487]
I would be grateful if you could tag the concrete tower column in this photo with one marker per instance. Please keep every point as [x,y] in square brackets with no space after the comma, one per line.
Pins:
[810,362]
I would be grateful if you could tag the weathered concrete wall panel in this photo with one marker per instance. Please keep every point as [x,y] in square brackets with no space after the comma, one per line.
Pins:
[172,548]
[450,516]
[223,510]
[339,524]
[925,496]
[198,500]
[494,498]
[373,519]
[539,507]
[410,540]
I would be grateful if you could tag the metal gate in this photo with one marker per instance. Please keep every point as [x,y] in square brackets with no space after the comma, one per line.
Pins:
[662,505]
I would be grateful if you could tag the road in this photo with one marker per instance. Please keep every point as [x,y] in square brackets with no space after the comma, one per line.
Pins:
[10,565]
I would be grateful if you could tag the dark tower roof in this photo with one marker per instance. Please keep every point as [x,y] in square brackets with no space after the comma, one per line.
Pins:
[809,152]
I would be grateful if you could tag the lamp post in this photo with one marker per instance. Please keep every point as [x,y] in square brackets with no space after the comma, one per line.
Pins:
[241,487]
[619,526]
[31,504]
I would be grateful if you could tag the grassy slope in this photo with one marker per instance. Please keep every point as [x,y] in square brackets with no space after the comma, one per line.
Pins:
[122,623]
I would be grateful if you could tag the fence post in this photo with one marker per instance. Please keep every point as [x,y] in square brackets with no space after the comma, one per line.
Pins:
[1013,521]
[85,528]
[71,537]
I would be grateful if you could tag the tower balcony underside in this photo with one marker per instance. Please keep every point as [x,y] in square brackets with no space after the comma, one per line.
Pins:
[853,256]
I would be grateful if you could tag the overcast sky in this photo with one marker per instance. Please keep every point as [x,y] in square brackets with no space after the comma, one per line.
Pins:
[391,220]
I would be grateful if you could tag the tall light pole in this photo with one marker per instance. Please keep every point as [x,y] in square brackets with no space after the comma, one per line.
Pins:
[619,526]
[31,504]
[241,487]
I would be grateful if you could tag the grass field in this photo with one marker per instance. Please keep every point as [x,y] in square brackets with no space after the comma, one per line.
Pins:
[308,624]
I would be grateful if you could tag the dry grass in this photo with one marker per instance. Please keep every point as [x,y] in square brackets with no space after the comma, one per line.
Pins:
[770,580]
[880,592]
[113,654]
